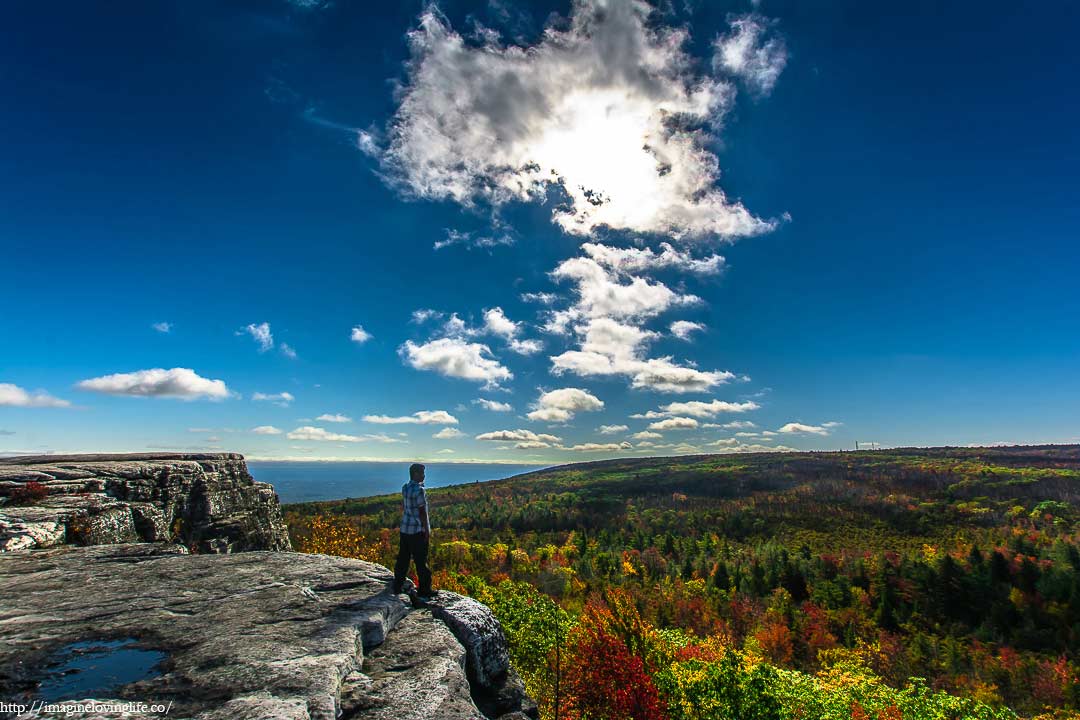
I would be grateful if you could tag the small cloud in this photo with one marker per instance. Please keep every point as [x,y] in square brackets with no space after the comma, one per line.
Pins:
[561,405]
[700,409]
[321,434]
[445,451]
[178,383]
[15,396]
[423,417]
[794,428]
[541,298]
[7,432]
[493,405]
[281,399]
[448,433]
[748,53]
[163,327]
[683,328]
[470,241]
[674,423]
[612,429]
[335,418]
[359,335]
[518,436]
[600,447]
[266,430]
[260,333]
[287,351]
[646,435]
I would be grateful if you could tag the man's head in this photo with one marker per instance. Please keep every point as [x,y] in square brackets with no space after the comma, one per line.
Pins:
[416,472]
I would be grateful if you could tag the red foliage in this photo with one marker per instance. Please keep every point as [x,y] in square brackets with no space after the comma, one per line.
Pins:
[1052,681]
[775,641]
[605,680]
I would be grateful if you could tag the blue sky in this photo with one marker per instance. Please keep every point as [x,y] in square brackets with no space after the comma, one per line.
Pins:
[779,224]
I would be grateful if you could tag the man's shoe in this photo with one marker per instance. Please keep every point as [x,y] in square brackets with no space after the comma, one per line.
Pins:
[429,595]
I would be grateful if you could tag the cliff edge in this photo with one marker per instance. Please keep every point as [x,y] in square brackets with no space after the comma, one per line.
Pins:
[206,502]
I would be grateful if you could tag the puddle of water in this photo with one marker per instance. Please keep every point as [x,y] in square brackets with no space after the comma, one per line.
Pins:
[95,669]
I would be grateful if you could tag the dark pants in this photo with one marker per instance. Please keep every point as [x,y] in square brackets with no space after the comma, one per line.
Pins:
[414,546]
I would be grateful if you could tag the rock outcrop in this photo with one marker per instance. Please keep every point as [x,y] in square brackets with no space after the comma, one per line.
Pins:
[256,635]
[206,502]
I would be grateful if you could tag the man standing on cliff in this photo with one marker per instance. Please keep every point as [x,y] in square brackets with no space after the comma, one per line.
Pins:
[415,534]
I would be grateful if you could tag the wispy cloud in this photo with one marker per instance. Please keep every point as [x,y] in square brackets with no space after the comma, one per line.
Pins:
[266,430]
[163,327]
[751,52]
[260,334]
[319,434]
[335,418]
[281,399]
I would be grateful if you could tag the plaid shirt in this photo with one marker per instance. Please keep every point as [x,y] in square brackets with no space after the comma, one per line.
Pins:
[414,498]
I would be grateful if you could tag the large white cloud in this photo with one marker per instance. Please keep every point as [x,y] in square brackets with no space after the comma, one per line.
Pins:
[14,396]
[454,357]
[609,111]
[181,383]
[422,417]
[561,405]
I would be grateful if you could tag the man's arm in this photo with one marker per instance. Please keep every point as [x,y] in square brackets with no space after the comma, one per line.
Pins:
[424,524]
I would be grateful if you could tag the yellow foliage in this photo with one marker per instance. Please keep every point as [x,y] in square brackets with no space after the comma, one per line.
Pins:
[335,535]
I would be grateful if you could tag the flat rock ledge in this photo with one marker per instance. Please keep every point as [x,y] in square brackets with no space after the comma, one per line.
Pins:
[207,502]
[257,635]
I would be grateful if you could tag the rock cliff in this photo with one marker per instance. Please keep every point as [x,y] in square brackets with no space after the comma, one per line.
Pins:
[207,502]
[121,579]
[255,635]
